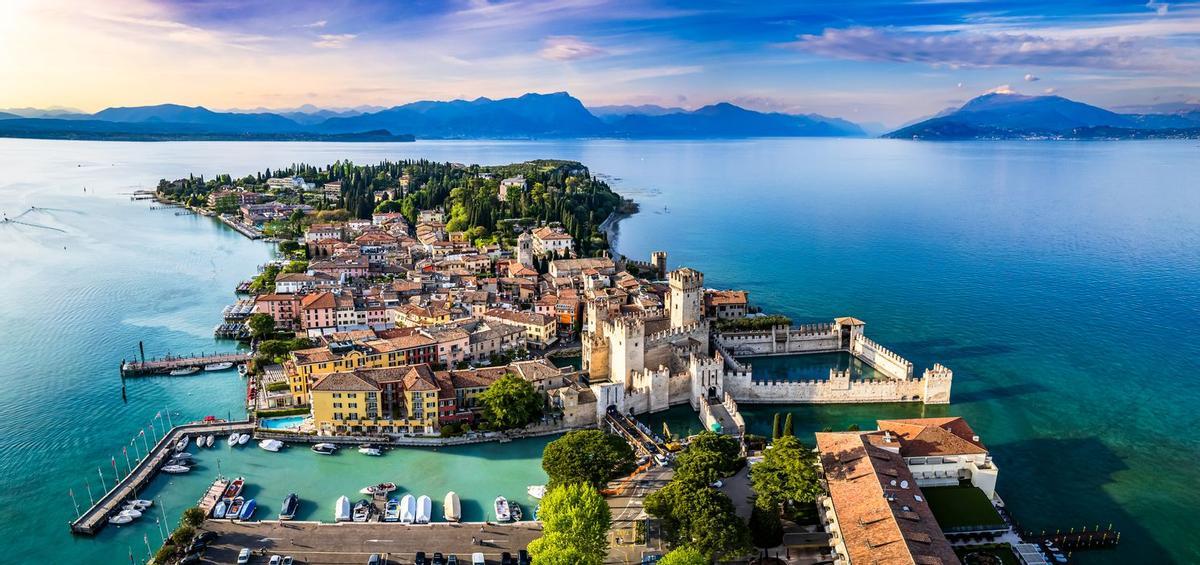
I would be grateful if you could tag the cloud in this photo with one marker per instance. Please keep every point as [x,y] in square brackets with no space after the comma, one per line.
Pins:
[1050,90]
[1159,8]
[568,48]
[1031,78]
[1002,89]
[318,23]
[984,49]
[333,40]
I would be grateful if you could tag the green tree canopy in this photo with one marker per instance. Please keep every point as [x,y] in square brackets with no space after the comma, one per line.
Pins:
[588,456]
[575,521]
[511,402]
[766,529]
[261,325]
[684,556]
[788,428]
[699,517]
[709,456]
[787,474]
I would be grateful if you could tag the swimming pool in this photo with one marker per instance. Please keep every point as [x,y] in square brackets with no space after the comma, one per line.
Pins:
[282,423]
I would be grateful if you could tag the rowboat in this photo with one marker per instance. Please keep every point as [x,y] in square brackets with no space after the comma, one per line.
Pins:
[235,508]
[381,489]
[391,512]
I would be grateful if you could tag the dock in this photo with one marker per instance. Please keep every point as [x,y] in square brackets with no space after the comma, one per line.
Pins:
[212,495]
[164,365]
[94,518]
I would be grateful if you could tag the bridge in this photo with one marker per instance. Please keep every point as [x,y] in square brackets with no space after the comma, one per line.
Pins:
[640,439]
[94,518]
[164,365]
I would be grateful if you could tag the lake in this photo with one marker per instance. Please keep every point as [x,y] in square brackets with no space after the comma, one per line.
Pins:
[1058,280]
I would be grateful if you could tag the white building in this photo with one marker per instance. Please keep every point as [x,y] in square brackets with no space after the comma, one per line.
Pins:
[942,452]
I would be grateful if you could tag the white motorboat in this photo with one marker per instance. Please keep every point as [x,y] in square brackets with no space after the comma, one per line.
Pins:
[131,512]
[408,509]
[362,511]
[424,509]
[219,510]
[502,513]
[184,371]
[183,443]
[341,509]
[233,439]
[452,507]
[368,450]
[235,508]
[176,469]
[242,369]
[209,440]
[379,489]
[391,512]
[218,366]
[271,444]
[325,448]
[536,491]
[141,504]
[120,519]
[243,439]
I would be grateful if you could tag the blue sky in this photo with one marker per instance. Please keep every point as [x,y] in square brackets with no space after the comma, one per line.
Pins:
[870,61]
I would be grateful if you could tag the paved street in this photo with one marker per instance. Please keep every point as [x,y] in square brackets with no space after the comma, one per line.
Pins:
[627,511]
[309,542]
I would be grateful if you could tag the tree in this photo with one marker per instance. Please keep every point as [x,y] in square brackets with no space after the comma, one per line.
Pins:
[765,527]
[709,454]
[511,402]
[586,456]
[575,521]
[700,517]
[261,325]
[684,556]
[787,474]
[183,535]
[775,426]
[788,429]
[193,517]
[852,428]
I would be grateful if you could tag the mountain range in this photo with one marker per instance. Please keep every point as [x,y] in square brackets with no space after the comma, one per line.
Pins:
[555,115]
[1005,115]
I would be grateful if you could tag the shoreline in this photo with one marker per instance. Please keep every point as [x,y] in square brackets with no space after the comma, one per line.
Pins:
[611,226]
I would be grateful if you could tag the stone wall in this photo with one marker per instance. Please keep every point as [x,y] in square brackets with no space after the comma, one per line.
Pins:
[883,360]
[781,340]
[839,389]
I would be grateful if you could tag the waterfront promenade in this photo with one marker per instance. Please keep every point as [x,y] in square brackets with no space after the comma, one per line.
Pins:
[170,363]
[94,518]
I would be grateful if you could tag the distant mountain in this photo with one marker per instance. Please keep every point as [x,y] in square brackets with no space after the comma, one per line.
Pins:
[616,112]
[51,112]
[53,128]
[8,116]
[727,120]
[199,115]
[1007,115]
[1162,108]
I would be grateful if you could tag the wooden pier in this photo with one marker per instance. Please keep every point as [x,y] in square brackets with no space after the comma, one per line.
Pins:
[94,518]
[212,495]
[164,365]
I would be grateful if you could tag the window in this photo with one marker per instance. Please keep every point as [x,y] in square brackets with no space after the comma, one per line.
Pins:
[337,404]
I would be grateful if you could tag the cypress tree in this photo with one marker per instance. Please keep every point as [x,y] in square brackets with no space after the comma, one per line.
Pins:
[788,430]
[775,427]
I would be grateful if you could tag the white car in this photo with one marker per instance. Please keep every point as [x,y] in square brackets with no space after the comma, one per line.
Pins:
[477,559]
[244,556]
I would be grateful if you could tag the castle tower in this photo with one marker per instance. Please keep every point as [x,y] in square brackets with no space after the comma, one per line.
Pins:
[659,260]
[627,349]
[686,293]
[525,249]
[937,381]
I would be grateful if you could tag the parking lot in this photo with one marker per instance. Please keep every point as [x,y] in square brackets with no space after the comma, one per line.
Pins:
[310,542]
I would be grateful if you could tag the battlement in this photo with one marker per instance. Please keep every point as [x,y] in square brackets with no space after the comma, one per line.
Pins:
[645,315]
[686,278]
[685,330]
[938,371]
[882,351]
[813,329]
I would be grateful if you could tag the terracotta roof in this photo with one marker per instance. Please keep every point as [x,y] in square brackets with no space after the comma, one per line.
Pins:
[875,498]
[548,233]
[352,381]
[318,300]
[934,436]
[475,378]
[718,297]
[516,317]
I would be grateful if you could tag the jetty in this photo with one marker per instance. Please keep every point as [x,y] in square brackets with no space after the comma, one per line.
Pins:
[212,495]
[94,518]
[164,365]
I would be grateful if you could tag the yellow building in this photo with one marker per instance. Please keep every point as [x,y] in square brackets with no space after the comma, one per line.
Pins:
[540,330]
[305,366]
[411,315]
[377,401]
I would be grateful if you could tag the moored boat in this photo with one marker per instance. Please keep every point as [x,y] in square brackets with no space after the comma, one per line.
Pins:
[247,509]
[120,519]
[176,469]
[235,508]
[391,512]
[514,511]
[325,448]
[452,507]
[536,491]
[424,510]
[341,509]
[502,513]
[131,512]
[408,509]
[218,511]
[218,366]
[271,444]
[368,450]
[243,439]
[233,439]
[287,510]
[362,511]
[380,489]
[182,444]
[234,488]
[184,371]
[141,504]
[242,369]
[209,440]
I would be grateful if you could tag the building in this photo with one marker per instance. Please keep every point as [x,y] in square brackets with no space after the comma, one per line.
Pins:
[511,183]
[412,315]
[362,351]
[394,400]
[552,242]
[874,510]
[318,313]
[576,267]
[943,452]
[525,249]
[540,330]
[295,283]
[725,304]
[283,308]
[317,232]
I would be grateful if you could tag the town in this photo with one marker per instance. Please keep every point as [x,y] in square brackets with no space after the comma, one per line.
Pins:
[426,304]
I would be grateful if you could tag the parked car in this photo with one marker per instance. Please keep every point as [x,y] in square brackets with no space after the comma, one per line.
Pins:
[190,559]
[439,559]
[420,559]
[207,537]
[276,560]
[477,559]
[452,559]
[523,558]
[244,556]
[506,558]
[374,559]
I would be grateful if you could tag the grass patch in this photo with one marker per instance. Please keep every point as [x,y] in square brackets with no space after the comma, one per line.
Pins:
[962,508]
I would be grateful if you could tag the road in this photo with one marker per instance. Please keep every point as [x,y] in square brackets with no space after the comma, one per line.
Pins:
[627,511]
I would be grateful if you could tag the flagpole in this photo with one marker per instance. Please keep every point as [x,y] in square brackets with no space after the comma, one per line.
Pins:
[169,418]
[137,455]
[125,450]
[149,553]
[144,444]
[89,487]
[72,492]
[116,473]
[101,473]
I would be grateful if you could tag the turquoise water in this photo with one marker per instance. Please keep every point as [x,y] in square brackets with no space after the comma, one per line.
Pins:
[1056,279]
[283,423]
[806,367]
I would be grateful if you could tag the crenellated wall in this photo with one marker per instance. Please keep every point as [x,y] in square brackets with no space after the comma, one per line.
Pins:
[781,340]
[839,389]
[882,359]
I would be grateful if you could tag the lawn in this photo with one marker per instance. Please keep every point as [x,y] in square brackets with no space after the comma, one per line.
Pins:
[962,508]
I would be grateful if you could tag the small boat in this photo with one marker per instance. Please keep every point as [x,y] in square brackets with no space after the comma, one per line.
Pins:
[233,439]
[209,440]
[325,448]
[182,444]
[424,509]
[242,369]
[243,439]
[391,512]
[219,510]
[536,491]
[176,469]
[287,510]
[362,511]
[234,488]
[368,450]
[502,513]
[514,511]
[131,512]
[184,371]
[452,507]
[120,519]
[341,509]
[141,504]
[177,459]
[271,444]
[218,366]
[247,510]
[408,509]
[381,488]
[235,508]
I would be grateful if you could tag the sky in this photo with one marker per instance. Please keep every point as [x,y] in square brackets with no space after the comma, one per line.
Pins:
[869,61]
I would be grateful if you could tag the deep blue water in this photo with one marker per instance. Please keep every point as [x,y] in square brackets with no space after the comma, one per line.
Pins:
[1058,281]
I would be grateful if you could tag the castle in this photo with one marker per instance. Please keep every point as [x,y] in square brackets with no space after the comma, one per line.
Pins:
[647,360]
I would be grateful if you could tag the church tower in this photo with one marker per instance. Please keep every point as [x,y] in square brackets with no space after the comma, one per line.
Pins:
[525,249]
[686,293]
